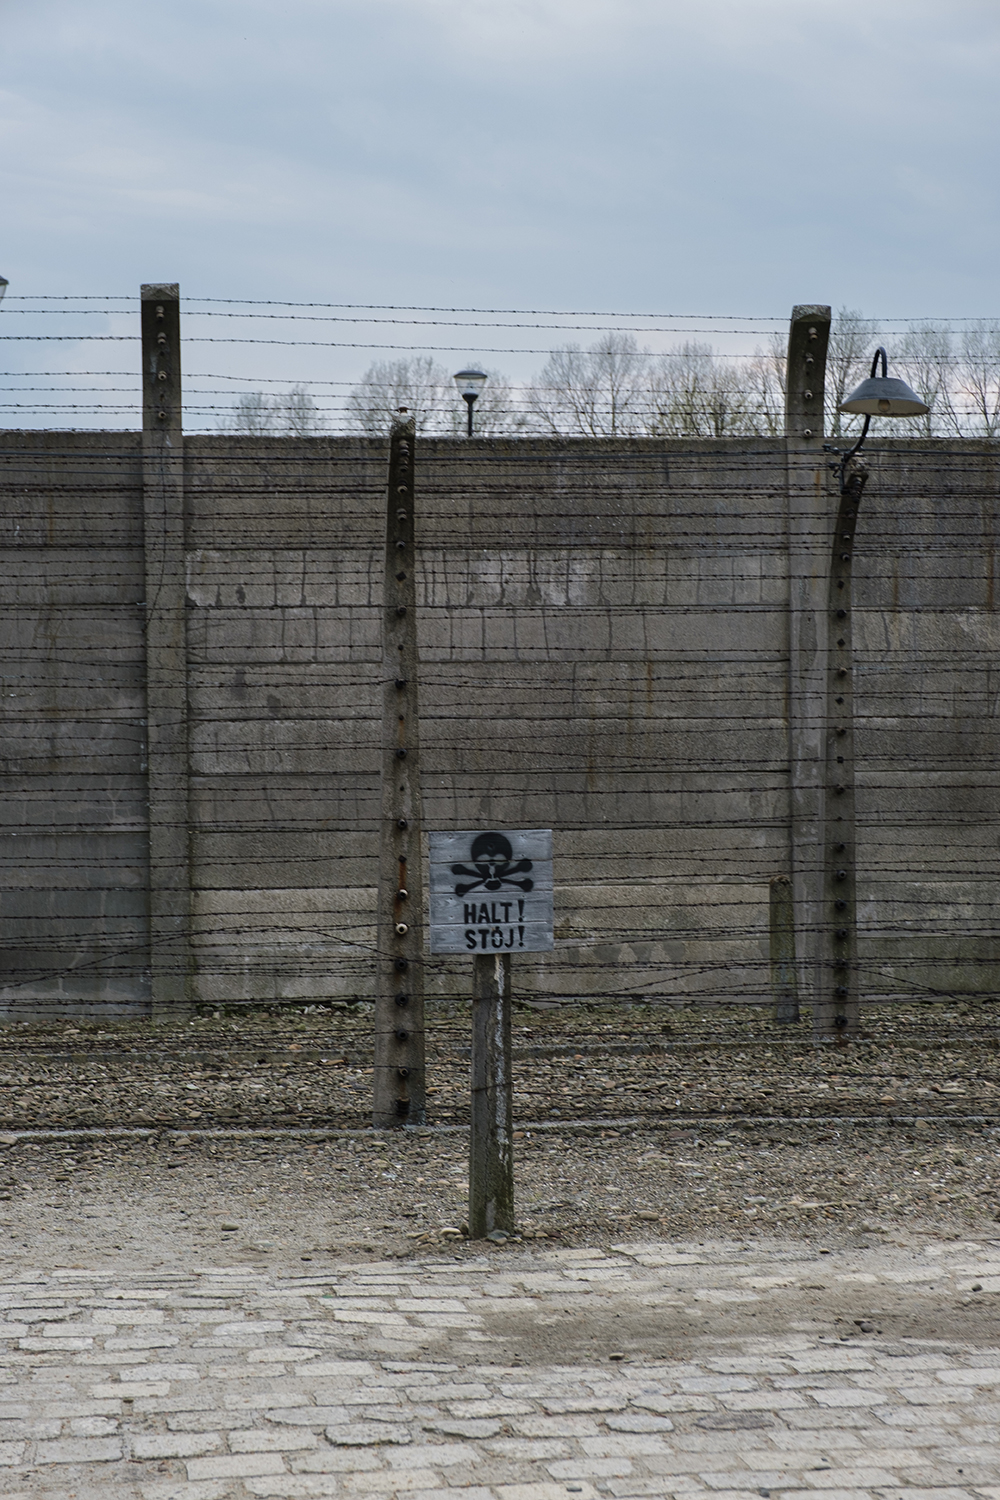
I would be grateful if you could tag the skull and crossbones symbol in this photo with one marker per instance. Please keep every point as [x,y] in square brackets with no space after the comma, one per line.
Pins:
[492,866]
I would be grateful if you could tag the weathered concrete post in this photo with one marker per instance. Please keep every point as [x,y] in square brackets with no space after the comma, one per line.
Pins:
[166,654]
[399,1083]
[836,1007]
[491,1145]
[810,517]
[784,980]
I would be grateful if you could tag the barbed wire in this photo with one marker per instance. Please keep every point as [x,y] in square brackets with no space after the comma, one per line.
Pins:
[776,318]
[628,715]
[735,393]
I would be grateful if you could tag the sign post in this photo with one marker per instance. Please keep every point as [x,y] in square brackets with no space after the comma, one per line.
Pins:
[491,897]
[491,1134]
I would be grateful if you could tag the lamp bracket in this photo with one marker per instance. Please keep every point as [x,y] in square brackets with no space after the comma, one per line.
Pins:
[879,358]
[853,475]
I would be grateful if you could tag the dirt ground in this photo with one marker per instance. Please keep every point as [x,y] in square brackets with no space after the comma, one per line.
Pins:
[174,1201]
[701,1127]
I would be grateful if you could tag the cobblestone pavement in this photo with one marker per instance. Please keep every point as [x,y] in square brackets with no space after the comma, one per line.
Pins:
[493,1374]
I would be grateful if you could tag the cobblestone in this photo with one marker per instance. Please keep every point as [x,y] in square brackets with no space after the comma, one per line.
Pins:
[523,1392]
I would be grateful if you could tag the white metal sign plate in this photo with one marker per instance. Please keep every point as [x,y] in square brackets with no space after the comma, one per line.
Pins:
[491,891]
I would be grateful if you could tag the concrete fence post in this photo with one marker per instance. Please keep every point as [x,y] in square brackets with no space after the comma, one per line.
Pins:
[810,526]
[166,655]
[399,1078]
[784,980]
[836,1007]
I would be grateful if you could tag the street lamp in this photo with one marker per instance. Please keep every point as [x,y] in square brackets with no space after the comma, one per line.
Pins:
[837,997]
[470,383]
[4,284]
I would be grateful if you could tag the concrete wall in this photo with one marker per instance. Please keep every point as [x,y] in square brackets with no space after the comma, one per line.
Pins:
[604,645]
[927,636]
[74,845]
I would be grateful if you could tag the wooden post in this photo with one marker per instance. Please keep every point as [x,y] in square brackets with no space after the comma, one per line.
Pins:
[166,655]
[491,1147]
[784,981]
[399,1082]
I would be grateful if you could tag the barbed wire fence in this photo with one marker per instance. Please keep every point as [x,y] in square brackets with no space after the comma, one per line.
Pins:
[642,374]
[603,651]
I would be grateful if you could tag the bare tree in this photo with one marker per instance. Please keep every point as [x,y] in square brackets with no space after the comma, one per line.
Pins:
[978,378]
[924,356]
[419,384]
[602,391]
[695,393]
[614,388]
[766,379]
[679,381]
[852,343]
[293,414]
[300,415]
[253,414]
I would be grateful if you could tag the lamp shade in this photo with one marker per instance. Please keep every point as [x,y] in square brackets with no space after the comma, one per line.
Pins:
[3,286]
[880,396]
[470,382]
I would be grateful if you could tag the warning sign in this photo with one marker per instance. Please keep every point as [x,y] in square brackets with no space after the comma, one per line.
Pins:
[491,891]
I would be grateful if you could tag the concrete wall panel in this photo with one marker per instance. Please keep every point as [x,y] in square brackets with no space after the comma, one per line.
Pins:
[73,852]
[604,640]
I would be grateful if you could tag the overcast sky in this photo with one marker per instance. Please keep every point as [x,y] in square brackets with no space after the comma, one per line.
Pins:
[720,156]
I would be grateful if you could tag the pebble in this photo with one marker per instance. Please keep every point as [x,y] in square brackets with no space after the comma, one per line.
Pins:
[573,1183]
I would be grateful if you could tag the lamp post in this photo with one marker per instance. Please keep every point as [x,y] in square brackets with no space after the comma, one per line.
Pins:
[878,396]
[837,991]
[4,284]
[470,384]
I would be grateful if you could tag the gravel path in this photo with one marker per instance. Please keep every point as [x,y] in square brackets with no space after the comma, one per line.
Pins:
[650,1063]
[732,1125]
